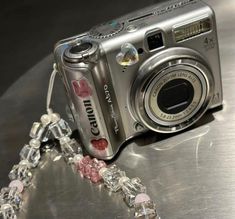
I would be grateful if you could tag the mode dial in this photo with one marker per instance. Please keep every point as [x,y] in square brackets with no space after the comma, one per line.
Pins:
[106,30]
[80,51]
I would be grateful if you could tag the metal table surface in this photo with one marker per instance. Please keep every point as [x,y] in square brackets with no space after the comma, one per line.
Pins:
[190,175]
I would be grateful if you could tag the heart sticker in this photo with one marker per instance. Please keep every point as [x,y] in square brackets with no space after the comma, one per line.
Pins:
[128,55]
[100,144]
[81,88]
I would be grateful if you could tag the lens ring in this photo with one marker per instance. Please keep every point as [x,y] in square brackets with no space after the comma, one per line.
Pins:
[152,108]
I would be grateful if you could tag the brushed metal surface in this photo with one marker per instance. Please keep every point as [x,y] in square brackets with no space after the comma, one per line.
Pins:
[190,175]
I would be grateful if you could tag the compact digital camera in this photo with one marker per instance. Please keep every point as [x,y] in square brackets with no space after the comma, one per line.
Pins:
[155,69]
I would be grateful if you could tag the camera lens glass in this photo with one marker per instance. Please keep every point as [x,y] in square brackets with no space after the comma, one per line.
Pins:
[175,96]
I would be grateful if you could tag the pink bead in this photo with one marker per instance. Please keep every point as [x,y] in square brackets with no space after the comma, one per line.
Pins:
[89,168]
[87,171]
[86,160]
[83,163]
[18,184]
[80,165]
[95,177]
[140,198]
[81,169]
[98,164]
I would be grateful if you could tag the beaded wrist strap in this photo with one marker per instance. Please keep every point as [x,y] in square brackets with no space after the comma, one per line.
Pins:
[51,125]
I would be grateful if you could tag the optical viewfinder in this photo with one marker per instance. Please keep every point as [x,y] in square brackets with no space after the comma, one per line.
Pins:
[155,40]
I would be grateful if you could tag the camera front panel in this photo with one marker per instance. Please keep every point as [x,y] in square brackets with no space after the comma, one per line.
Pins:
[152,33]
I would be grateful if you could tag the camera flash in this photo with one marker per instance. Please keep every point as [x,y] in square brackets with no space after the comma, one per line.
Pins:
[191,30]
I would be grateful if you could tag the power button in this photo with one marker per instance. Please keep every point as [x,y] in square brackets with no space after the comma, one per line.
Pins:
[131,28]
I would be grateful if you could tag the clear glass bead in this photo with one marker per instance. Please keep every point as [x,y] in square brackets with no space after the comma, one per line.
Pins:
[31,154]
[38,131]
[146,210]
[11,196]
[60,129]
[69,148]
[130,189]
[111,177]
[8,212]
[21,172]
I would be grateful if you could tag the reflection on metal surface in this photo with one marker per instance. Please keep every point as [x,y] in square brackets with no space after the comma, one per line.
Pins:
[222,117]
[190,175]
[178,140]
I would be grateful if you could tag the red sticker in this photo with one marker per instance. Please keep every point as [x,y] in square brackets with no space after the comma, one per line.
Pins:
[100,144]
[82,88]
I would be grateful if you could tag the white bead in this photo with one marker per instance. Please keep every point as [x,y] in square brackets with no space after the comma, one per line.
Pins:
[34,143]
[141,198]
[25,162]
[45,119]
[123,179]
[55,117]
[77,158]
[102,171]
[64,140]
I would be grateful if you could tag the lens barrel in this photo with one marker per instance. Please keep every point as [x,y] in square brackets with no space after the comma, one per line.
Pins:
[173,90]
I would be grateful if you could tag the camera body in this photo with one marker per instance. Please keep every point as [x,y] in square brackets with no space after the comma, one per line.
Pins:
[155,69]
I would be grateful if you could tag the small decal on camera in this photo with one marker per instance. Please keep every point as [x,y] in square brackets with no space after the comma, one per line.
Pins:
[100,144]
[82,88]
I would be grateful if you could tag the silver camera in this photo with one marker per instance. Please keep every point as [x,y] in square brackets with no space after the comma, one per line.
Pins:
[155,69]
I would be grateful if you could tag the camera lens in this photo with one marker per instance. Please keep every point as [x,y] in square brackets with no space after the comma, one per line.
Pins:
[172,91]
[175,96]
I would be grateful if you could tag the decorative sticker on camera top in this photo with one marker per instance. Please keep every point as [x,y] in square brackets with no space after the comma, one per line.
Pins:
[82,88]
[128,55]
